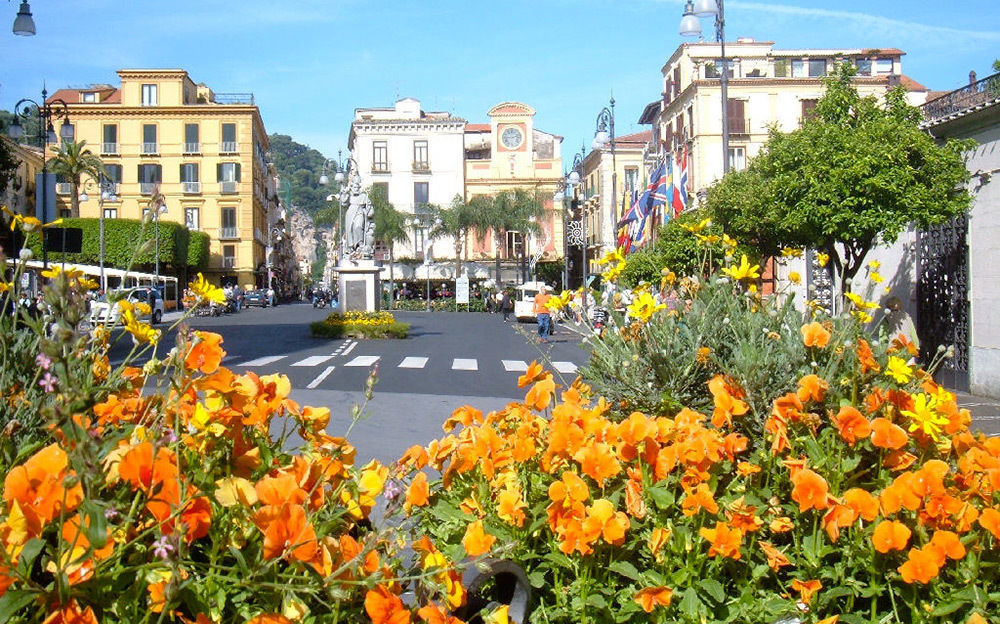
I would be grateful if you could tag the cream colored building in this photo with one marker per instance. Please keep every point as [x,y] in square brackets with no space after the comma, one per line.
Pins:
[766,87]
[205,151]
[416,156]
[510,153]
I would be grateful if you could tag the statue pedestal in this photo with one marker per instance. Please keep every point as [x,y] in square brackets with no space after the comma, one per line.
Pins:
[360,287]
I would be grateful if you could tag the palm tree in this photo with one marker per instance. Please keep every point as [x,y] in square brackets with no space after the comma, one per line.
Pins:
[509,211]
[390,228]
[72,161]
[455,222]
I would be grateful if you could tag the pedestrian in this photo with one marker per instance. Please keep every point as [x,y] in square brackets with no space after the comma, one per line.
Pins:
[542,314]
[270,297]
[506,305]
[497,298]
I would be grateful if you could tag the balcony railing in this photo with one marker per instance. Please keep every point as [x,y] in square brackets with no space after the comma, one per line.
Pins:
[422,167]
[191,187]
[380,167]
[149,148]
[229,233]
[147,188]
[109,149]
[228,262]
[234,98]
[228,188]
[229,147]
[978,93]
[64,188]
[192,148]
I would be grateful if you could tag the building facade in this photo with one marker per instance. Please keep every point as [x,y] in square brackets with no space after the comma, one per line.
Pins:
[416,157]
[766,87]
[204,152]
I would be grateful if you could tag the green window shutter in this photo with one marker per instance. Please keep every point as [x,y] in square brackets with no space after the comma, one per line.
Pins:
[238,179]
[181,178]
[218,172]
[139,174]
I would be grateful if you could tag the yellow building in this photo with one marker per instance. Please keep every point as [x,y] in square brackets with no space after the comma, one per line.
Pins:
[204,151]
[19,195]
[510,153]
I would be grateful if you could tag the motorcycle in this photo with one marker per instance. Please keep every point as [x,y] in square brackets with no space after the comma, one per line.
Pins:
[321,301]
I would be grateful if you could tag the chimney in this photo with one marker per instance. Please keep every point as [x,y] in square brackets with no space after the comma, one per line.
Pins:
[972,77]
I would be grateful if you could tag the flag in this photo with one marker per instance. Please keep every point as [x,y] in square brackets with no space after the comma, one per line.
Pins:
[680,181]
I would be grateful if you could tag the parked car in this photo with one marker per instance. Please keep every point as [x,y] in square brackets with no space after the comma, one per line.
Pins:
[524,302]
[255,298]
[101,310]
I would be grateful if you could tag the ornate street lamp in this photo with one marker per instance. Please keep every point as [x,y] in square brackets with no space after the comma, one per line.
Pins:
[47,111]
[24,25]
[574,182]
[339,178]
[108,191]
[605,135]
[159,206]
[691,27]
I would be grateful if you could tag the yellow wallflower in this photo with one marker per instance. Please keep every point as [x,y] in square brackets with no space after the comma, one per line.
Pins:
[860,303]
[791,252]
[925,417]
[744,271]
[697,227]
[794,277]
[822,258]
[644,306]
[898,369]
[201,288]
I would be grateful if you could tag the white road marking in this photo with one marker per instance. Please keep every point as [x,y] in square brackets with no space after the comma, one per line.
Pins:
[515,366]
[363,360]
[314,360]
[564,367]
[465,364]
[350,348]
[320,378]
[263,361]
[413,362]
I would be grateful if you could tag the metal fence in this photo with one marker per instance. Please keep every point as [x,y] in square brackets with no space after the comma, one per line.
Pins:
[972,95]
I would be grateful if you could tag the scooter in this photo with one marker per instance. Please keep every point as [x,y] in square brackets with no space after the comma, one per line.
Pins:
[321,301]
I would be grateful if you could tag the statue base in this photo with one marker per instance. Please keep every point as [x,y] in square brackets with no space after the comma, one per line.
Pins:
[359,287]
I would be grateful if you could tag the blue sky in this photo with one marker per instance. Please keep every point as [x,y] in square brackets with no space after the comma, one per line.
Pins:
[310,63]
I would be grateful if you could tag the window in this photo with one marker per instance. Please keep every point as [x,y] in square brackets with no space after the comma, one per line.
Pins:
[229,229]
[808,108]
[883,66]
[421,194]
[380,156]
[89,98]
[864,67]
[712,69]
[229,144]
[808,68]
[192,144]
[109,146]
[149,177]
[676,86]
[817,68]
[420,162]
[631,177]
[114,175]
[736,116]
[737,158]
[191,218]
[227,172]
[781,68]
[515,245]
[228,256]
[189,178]
[149,95]
[110,213]
[148,138]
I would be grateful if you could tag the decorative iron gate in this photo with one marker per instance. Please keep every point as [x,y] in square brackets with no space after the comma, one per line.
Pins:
[943,298]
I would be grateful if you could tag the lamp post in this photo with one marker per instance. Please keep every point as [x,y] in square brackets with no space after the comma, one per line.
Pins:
[24,24]
[605,135]
[107,191]
[339,178]
[159,206]
[47,111]
[424,222]
[560,198]
[574,181]
[691,27]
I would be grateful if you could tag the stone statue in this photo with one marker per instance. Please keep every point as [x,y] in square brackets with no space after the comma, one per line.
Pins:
[359,222]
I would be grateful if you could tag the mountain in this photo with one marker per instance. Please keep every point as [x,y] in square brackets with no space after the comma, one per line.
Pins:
[300,166]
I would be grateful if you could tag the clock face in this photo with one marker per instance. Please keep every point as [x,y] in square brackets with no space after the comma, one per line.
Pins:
[511,138]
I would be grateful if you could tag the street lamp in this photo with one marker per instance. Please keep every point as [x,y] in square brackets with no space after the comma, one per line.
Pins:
[691,27]
[108,191]
[159,206]
[424,222]
[574,181]
[606,135]
[339,178]
[24,25]
[47,111]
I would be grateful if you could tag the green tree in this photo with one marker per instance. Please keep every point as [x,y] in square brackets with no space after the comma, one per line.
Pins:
[457,222]
[8,164]
[390,228]
[72,161]
[518,210]
[301,166]
[855,175]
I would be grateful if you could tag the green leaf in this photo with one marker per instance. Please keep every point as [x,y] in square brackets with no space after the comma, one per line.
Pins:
[28,555]
[690,605]
[949,607]
[560,560]
[12,602]
[537,579]
[626,569]
[661,497]
[714,589]
[597,601]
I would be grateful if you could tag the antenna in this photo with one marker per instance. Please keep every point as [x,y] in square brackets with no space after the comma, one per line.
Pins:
[397,91]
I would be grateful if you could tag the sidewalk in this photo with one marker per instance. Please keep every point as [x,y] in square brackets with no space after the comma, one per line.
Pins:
[985,412]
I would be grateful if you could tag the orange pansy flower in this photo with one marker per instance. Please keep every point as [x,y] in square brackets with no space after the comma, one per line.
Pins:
[634,503]
[726,404]
[569,489]
[810,491]
[948,544]
[280,490]
[37,487]
[697,499]
[476,540]
[603,521]
[862,502]
[418,494]
[775,558]
[890,535]
[806,589]
[534,372]
[539,396]
[657,539]
[511,506]
[887,435]
[815,335]
[266,618]
[783,524]
[651,597]
[866,358]
[71,613]
[598,461]
[385,607]
[746,469]
[725,540]
[836,518]
[436,614]
[287,532]
[206,354]
[922,565]
[990,520]
[851,424]
[465,416]
[812,388]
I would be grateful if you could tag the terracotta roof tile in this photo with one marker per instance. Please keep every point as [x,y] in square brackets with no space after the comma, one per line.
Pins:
[477,127]
[910,84]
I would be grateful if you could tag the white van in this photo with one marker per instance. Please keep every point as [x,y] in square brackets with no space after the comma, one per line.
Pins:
[524,303]
[100,310]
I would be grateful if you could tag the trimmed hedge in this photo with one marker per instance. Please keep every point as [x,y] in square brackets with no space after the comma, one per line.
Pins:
[123,236]
[476,304]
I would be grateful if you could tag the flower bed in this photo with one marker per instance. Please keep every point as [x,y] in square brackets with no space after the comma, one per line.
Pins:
[360,325]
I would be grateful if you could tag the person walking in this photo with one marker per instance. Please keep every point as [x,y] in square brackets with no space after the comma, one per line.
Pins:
[506,305]
[542,314]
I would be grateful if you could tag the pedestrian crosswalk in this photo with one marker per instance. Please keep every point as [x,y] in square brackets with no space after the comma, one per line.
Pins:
[410,362]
